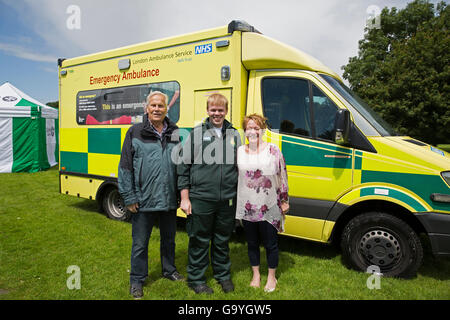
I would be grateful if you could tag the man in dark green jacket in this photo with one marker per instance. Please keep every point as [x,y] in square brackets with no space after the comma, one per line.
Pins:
[147,184]
[207,178]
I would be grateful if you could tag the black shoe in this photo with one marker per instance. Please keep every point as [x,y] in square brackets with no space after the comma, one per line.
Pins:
[176,276]
[202,288]
[227,286]
[136,291]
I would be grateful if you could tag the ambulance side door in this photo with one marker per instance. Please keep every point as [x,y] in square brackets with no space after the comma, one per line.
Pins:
[301,118]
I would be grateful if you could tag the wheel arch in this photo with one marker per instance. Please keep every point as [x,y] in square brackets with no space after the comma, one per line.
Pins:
[101,191]
[380,205]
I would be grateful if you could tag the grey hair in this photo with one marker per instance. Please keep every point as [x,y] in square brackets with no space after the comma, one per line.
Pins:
[152,93]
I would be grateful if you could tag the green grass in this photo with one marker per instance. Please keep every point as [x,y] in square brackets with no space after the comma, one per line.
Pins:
[43,232]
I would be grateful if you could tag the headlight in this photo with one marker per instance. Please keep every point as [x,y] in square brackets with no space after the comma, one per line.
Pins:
[446,176]
[439,197]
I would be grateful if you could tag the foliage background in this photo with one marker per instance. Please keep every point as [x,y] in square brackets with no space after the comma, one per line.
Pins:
[403,70]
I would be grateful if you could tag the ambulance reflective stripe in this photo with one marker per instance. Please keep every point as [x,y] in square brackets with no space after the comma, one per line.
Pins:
[93,151]
[303,152]
[76,162]
[385,192]
[421,185]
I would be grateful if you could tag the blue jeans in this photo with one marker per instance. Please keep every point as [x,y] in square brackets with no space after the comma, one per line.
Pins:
[142,225]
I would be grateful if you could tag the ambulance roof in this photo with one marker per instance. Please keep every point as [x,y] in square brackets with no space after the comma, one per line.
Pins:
[258,51]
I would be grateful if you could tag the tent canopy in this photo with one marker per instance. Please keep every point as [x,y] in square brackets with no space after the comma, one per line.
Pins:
[15,103]
[28,132]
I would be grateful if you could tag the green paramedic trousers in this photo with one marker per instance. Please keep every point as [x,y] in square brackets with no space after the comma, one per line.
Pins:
[210,222]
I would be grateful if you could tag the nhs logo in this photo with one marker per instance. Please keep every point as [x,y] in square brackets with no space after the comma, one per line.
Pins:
[204,48]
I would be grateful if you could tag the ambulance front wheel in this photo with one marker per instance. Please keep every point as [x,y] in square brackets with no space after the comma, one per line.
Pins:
[114,206]
[382,242]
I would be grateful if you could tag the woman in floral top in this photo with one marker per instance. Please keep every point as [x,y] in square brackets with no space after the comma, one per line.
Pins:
[262,197]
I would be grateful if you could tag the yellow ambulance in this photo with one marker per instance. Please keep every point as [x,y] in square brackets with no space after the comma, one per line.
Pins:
[352,180]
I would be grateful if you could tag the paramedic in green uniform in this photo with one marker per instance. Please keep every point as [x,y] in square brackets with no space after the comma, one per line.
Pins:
[207,178]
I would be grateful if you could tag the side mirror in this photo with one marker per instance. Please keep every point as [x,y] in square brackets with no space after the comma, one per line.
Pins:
[342,126]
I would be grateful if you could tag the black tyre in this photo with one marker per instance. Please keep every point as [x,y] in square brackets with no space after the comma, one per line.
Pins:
[383,240]
[113,205]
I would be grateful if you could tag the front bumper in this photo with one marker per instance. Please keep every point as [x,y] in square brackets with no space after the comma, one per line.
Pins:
[437,226]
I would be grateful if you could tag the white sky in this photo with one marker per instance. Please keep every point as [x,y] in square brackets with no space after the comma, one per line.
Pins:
[329,30]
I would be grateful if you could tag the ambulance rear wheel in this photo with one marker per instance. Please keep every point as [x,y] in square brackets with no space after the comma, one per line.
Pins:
[114,206]
[381,240]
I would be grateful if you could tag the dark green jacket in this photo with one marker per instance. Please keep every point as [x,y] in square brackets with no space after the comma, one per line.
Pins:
[147,174]
[208,168]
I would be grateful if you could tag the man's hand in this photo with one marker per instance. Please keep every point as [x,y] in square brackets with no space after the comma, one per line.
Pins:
[133,207]
[185,204]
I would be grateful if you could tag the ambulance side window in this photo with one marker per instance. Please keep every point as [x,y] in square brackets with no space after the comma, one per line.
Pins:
[324,114]
[124,105]
[286,106]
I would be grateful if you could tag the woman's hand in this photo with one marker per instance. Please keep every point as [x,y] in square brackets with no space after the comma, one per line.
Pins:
[284,207]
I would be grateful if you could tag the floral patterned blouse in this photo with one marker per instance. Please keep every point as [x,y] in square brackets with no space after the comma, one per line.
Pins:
[262,185]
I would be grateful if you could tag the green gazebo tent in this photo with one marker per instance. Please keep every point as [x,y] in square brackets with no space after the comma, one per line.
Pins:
[28,132]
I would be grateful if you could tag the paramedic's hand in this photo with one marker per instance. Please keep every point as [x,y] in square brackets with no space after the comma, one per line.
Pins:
[133,207]
[185,204]
[284,207]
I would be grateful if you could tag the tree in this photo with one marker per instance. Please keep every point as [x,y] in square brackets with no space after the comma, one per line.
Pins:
[54,104]
[403,70]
